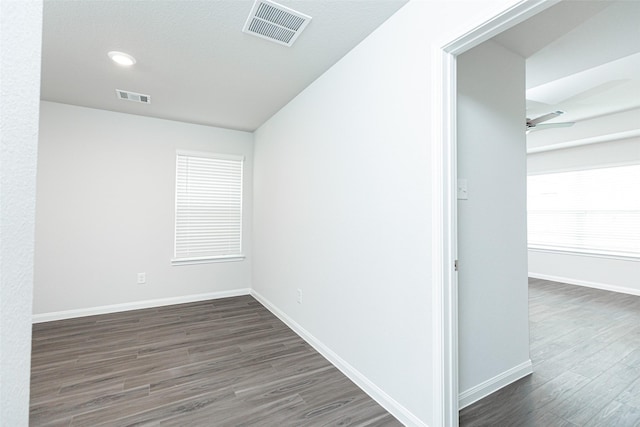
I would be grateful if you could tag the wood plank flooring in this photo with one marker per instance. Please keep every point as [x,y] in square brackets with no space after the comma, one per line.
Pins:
[585,348]
[226,362]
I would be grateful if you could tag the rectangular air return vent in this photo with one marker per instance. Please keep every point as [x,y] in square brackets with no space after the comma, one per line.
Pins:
[132,96]
[275,22]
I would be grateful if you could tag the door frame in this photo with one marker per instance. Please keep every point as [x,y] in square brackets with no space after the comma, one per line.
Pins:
[445,224]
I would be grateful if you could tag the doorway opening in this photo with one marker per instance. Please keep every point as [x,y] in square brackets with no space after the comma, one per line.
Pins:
[445,226]
[448,154]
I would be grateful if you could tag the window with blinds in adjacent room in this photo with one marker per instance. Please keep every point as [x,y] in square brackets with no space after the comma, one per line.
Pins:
[591,211]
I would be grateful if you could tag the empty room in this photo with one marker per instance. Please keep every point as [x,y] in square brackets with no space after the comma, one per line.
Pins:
[582,155]
[310,213]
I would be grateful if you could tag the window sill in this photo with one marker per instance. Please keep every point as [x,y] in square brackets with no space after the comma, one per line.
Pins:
[585,253]
[207,260]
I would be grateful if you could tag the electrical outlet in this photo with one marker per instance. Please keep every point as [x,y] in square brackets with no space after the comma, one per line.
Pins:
[142,278]
[299,296]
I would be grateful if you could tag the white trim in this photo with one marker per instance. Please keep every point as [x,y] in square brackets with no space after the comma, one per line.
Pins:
[210,155]
[585,283]
[376,393]
[114,308]
[496,383]
[444,224]
[508,18]
[586,141]
[207,260]
[585,253]
[445,302]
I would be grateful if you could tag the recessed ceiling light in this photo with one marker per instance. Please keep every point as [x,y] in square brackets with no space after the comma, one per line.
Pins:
[122,58]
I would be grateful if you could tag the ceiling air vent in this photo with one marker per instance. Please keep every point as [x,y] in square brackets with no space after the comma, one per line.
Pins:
[132,96]
[271,21]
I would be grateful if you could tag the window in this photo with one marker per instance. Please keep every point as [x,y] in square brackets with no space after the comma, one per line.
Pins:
[589,211]
[208,208]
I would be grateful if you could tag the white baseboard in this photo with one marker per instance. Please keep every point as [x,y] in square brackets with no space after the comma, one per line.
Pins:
[494,384]
[105,309]
[596,285]
[386,401]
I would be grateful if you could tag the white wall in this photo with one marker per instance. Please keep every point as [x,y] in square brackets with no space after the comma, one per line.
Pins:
[620,275]
[20,43]
[343,207]
[105,211]
[612,274]
[492,224]
[613,153]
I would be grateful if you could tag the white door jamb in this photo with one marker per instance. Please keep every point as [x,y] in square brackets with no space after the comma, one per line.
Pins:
[444,226]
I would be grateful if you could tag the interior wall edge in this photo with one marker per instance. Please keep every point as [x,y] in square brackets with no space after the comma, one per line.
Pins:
[376,393]
[115,308]
[20,48]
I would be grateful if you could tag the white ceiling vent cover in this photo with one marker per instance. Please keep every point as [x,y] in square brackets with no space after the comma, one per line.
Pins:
[132,96]
[272,21]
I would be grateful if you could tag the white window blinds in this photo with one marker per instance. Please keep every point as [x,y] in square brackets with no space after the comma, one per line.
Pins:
[208,207]
[592,211]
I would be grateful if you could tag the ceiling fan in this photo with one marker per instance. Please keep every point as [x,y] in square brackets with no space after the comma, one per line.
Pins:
[536,124]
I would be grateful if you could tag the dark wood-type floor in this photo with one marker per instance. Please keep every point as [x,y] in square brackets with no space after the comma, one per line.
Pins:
[225,362]
[585,348]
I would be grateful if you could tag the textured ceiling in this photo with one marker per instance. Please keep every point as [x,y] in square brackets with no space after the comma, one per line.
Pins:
[199,67]
[192,57]
[583,57]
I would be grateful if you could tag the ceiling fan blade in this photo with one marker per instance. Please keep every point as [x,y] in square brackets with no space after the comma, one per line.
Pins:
[543,118]
[550,126]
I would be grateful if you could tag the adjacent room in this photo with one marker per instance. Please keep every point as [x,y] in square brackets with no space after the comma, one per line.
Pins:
[583,219]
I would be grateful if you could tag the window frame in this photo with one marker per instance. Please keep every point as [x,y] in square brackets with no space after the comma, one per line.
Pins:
[188,260]
[580,251]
